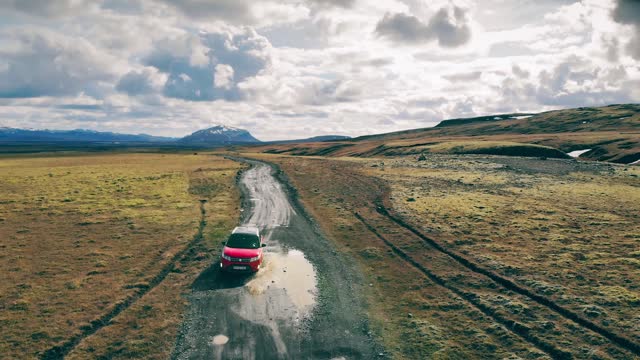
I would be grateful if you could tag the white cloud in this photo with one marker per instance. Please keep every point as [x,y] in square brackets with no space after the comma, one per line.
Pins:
[448,26]
[235,10]
[47,8]
[223,77]
[628,12]
[224,60]
[143,82]
[297,68]
[240,12]
[339,3]
[40,62]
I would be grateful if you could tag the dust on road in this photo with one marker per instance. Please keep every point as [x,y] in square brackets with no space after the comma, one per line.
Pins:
[281,312]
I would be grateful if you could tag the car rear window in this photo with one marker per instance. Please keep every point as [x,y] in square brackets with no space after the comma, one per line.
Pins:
[243,241]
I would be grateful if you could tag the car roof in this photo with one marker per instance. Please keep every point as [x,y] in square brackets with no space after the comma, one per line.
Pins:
[246,230]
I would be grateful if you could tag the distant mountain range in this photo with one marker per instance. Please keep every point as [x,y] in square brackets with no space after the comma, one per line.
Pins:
[607,133]
[218,135]
[313,139]
[12,135]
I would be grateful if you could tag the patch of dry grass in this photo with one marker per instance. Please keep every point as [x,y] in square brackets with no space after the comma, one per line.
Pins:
[568,235]
[82,233]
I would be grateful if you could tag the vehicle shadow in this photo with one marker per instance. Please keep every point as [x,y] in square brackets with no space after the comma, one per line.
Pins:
[212,278]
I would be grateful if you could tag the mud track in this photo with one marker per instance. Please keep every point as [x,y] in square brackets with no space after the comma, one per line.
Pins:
[513,326]
[448,270]
[508,284]
[62,350]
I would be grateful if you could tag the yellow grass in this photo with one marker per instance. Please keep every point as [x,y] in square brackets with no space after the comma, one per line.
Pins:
[81,233]
[574,231]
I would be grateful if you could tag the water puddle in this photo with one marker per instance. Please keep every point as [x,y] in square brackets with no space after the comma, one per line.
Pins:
[290,271]
[219,340]
[283,292]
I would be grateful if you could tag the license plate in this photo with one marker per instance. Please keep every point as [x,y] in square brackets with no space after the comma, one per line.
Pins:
[239,268]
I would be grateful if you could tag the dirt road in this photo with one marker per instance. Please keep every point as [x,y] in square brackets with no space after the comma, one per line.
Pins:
[302,304]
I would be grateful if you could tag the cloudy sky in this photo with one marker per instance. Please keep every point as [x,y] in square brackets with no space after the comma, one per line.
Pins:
[297,68]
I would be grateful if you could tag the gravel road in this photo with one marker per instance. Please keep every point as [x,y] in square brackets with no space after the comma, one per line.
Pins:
[303,303]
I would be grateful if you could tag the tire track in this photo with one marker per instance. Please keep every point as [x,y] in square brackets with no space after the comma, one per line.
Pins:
[515,327]
[62,350]
[615,338]
[508,284]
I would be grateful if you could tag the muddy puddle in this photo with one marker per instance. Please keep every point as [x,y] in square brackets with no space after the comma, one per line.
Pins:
[291,272]
[281,295]
[285,288]
[219,340]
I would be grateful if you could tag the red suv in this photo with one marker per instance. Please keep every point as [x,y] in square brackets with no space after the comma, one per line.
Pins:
[242,252]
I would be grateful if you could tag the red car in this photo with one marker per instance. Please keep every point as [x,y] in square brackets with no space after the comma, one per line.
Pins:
[242,252]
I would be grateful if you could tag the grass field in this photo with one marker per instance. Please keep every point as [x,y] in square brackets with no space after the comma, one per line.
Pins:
[570,232]
[562,235]
[105,239]
[465,256]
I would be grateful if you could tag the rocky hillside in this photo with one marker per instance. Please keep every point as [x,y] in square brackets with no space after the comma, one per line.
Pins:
[609,133]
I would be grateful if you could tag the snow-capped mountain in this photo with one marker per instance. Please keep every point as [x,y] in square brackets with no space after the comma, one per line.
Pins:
[219,135]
